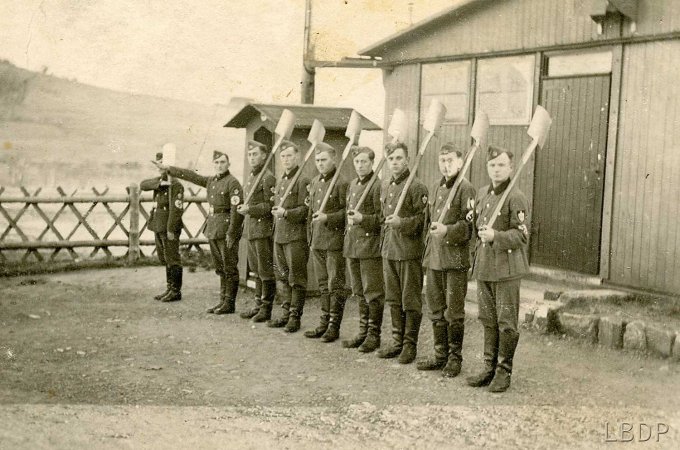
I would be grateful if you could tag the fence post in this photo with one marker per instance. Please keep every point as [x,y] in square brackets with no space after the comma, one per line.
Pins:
[133,246]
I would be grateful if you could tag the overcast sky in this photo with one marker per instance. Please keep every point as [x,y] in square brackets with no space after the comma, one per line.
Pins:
[207,50]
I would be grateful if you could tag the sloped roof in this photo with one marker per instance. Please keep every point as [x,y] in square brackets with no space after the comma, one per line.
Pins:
[418,28]
[332,118]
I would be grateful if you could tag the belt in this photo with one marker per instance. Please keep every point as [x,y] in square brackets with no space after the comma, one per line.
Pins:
[218,209]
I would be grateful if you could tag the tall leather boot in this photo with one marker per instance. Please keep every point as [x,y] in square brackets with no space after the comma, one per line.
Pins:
[506,352]
[455,361]
[337,311]
[398,318]
[441,348]
[297,305]
[410,349]
[268,293]
[285,293]
[359,339]
[325,302]
[175,293]
[490,359]
[223,294]
[249,314]
[229,305]
[375,319]
[167,285]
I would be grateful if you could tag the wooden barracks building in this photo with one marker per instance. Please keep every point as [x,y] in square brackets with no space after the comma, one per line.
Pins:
[605,189]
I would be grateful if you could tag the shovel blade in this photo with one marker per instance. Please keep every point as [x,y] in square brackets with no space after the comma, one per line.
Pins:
[169,154]
[317,132]
[540,126]
[353,125]
[286,124]
[435,115]
[480,127]
[397,128]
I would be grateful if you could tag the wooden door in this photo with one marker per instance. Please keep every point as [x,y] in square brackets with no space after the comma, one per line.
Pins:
[569,174]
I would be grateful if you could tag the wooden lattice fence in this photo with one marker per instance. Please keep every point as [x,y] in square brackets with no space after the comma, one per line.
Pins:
[36,228]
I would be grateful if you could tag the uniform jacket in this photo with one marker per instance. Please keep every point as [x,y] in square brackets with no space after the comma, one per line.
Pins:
[224,195]
[405,242]
[328,235]
[166,216]
[506,257]
[259,223]
[362,240]
[293,227]
[452,251]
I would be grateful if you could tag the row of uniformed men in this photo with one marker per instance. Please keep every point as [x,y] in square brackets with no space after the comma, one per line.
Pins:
[385,252]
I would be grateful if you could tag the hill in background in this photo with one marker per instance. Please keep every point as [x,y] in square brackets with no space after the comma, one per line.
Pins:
[60,132]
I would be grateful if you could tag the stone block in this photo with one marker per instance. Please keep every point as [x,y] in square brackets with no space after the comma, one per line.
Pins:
[635,337]
[545,319]
[581,326]
[660,340]
[593,296]
[610,331]
[675,354]
[551,295]
[529,317]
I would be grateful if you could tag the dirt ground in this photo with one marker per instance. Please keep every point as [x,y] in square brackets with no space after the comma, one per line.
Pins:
[89,359]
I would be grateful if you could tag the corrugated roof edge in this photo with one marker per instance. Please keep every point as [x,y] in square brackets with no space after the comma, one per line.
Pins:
[239,121]
[378,48]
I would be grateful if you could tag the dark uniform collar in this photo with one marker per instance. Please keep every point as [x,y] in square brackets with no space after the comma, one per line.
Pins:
[257,169]
[365,179]
[448,183]
[404,175]
[222,175]
[328,176]
[292,173]
[498,190]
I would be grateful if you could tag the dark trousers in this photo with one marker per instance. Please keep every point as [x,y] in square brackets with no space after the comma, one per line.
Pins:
[445,292]
[168,250]
[403,284]
[290,263]
[225,259]
[261,258]
[499,304]
[366,276]
[329,267]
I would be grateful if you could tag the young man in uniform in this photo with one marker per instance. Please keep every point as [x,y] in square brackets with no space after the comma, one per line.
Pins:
[402,252]
[447,260]
[290,241]
[223,226]
[166,223]
[362,250]
[500,262]
[327,229]
[259,228]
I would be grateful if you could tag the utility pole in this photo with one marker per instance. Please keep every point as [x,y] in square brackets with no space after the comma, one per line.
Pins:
[308,70]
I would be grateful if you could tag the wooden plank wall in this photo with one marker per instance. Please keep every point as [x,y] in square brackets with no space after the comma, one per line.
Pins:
[503,25]
[645,239]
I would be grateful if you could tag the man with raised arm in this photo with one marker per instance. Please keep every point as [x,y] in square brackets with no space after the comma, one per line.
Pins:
[223,226]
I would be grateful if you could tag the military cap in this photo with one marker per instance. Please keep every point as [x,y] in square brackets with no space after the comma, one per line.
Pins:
[288,144]
[323,147]
[159,156]
[356,151]
[218,154]
[494,152]
[450,147]
[255,144]
[391,147]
